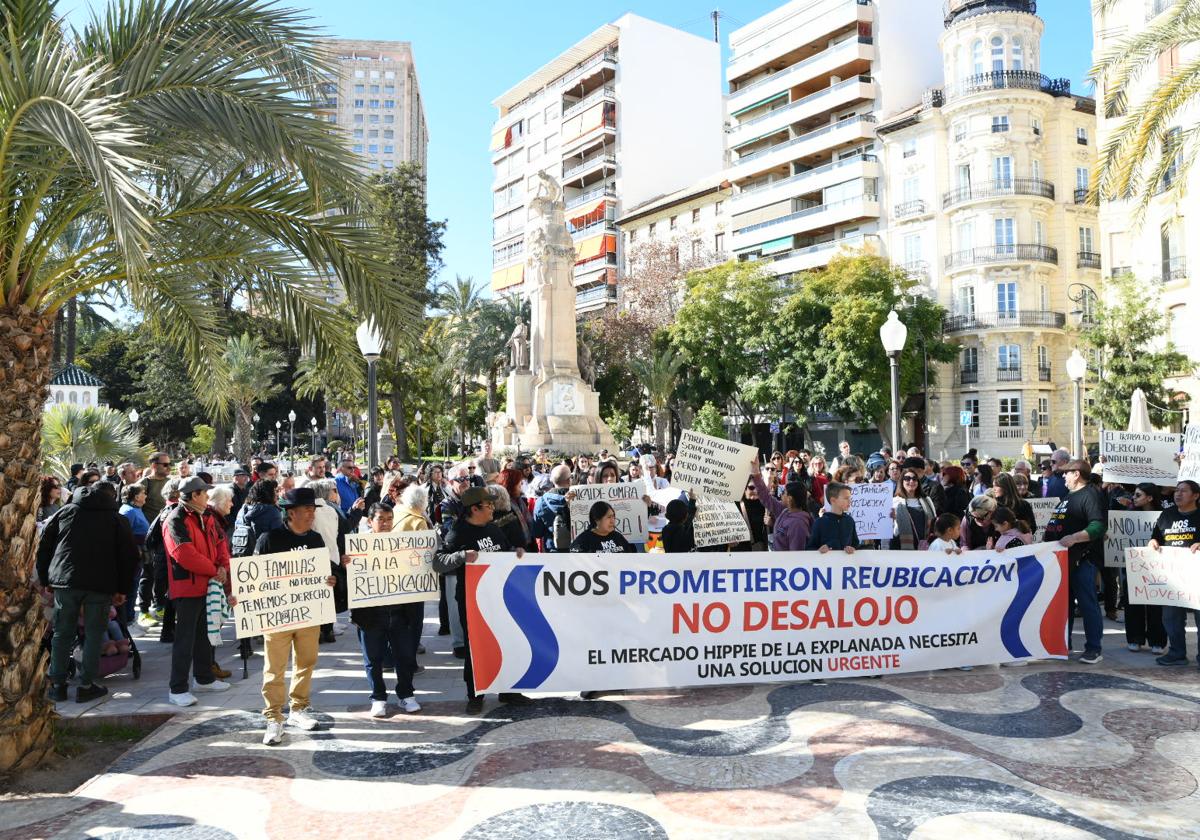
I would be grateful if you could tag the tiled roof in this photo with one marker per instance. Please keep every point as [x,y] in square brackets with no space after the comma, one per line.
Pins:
[75,375]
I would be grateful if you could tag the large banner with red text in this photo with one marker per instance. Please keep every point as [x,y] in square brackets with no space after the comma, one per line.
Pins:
[589,622]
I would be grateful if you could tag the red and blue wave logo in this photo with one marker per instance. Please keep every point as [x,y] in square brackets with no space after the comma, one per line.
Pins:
[520,599]
[1038,583]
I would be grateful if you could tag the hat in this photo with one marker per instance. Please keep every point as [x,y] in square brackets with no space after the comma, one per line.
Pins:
[875,461]
[298,497]
[241,471]
[475,496]
[193,485]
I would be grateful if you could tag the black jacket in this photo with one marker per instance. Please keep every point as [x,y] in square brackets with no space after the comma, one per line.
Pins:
[88,545]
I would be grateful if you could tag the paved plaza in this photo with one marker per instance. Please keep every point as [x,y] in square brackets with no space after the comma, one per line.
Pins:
[1053,750]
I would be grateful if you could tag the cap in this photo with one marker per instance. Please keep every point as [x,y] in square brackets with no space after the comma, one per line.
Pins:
[299,497]
[241,471]
[193,485]
[476,496]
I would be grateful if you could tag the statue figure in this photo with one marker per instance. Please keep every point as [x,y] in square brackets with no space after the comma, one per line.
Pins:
[586,370]
[518,344]
[547,241]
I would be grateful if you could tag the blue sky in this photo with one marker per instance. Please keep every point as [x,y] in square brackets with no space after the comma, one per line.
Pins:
[469,53]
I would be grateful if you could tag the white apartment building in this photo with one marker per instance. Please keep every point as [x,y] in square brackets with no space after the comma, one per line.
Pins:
[987,206]
[1156,251]
[808,84]
[376,101]
[632,111]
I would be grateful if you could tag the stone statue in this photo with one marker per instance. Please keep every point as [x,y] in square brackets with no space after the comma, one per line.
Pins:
[518,345]
[547,242]
[586,370]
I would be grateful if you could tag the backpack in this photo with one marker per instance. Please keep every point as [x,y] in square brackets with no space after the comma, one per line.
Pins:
[562,529]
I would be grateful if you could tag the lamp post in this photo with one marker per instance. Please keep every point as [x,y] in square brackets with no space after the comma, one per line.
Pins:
[133,418]
[1085,299]
[278,439]
[1076,369]
[894,334]
[292,441]
[254,431]
[417,420]
[313,423]
[370,344]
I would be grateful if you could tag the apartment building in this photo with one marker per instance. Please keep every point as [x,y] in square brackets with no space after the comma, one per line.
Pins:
[375,101]
[987,208]
[1156,249]
[631,112]
[808,85]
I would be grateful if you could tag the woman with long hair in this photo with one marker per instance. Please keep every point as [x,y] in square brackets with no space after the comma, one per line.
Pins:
[914,514]
[513,481]
[818,472]
[50,499]
[1008,495]
[983,480]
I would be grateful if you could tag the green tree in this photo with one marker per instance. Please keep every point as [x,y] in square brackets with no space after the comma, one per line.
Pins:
[73,434]
[709,421]
[186,133]
[164,395]
[618,423]
[1129,336]
[253,378]
[461,303]
[837,362]
[658,374]
[203,437]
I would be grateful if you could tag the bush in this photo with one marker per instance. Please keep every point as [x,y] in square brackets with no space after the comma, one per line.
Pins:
[618,423]
[202,440]
[709,421]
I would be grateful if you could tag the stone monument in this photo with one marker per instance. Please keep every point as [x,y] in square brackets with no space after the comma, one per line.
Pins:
[549,404]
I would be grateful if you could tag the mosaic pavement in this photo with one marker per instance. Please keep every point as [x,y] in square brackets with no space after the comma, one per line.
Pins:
[1050,751]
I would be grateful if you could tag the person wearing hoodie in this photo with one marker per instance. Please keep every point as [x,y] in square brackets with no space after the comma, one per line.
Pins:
[259,515]
[1010,529]
[548,508]
[86,556]
[793,522]
[331,524]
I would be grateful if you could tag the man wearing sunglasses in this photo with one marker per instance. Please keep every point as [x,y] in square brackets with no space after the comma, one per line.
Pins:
[160,471]
[452,510]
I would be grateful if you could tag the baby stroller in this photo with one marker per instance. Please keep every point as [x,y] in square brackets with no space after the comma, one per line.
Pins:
[114,656]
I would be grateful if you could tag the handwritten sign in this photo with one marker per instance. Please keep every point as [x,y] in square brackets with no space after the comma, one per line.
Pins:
[871,509]
[1043,509]
[1167,578]
[626,500]
[719,523]
[711,467]
[391,568]
[1134,457]
[1127,529]
[277,592]
[1189,466]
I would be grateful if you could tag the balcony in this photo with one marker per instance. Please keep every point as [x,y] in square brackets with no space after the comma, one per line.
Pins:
[918,270]
[1035,318]
[775,228]
[1001,254]
[968,376]
[1043,373]
[809,180]
[1003,188]
[796,34]
[1081,197]
[1087,259]
[909,208]
[813,256]
[1008,373]
[597,294]
[606,261]
[1010,433]
[608,56]
[609,190]
[863,126]
[952,10]
[1007,80]
[1174,270]
[837,56]
[804,107]
[1121,271]
[595,229]
[594,160]
[605,92]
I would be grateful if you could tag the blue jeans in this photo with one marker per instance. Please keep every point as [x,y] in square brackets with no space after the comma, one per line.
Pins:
[1175,622]
[1083,594]
[398,628]
[67,604]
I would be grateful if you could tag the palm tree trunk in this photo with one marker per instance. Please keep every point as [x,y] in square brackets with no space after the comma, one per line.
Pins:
[328,419]
[396,400]
[72,326]
[659,415]
[462,417]
[491,389]
[60,325]
[220,436]
[26,341]
[242,433]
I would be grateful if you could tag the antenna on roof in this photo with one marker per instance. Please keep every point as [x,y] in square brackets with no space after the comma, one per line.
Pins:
[716,16]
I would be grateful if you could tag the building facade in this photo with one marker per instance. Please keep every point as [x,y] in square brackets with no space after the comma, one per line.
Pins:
[808,85]
[72,385]
[376,101]
[631,112]
[1154,249]
[987,208]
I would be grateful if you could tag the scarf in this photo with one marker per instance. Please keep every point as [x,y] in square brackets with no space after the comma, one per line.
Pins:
[216,610]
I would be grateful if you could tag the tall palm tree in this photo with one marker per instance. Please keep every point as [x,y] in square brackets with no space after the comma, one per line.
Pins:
[252,367]
[1150,150]
[460,303]
[659,375]
[184,133]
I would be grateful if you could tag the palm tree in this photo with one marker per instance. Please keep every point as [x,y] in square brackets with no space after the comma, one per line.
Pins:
[487,352]
[659,375]
[252,367]
[74,434]
[183,132]
[1149,151]
[460,303]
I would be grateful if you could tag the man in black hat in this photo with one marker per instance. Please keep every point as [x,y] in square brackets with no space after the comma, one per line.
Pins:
[241,488]
[470,534]
[296,534]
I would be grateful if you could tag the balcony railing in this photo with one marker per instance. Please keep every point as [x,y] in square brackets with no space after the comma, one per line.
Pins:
[1043,373]
[737,59]
[607,160]
[1038,318]
[1008,373]
[602,226]
[810,135]
[1001,254]
[1121,271]
[968,376]
[909,208]
[917,270]
[603,261]
[953,8]
[1010,433]
[1174,270]
[1087,259]
[597,293]
[607,91]
[810,60]
[1081,197]
[1005,80]
[808,173]
[1001,188]
[591,195]
[812,97]
[572,75]
[807,211]
[858,240]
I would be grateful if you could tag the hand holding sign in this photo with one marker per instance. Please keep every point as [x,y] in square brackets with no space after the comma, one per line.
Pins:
[276,592]
[391,568]
[711,467]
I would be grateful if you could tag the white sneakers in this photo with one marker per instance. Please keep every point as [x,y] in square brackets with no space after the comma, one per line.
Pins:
[410,705]
[215,685]
[338,628]
[185,699]
[378,708]
[302,719]
[274,733]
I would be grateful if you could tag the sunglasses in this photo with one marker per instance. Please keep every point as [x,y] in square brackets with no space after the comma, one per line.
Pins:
[910,478]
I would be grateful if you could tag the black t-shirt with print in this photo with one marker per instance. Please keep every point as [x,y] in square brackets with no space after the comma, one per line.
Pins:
[1176,529]
[1074,514]
[589,542]
[463,536]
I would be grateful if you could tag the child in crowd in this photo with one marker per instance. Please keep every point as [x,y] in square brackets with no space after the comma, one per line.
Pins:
[1009,530]
[114,639]
[835,530]
[947,527]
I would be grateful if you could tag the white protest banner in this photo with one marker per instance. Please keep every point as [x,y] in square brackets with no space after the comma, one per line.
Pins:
[626,499]
[666,495]
[1134,457]
[871,509]
[1189,465]
[1043,509]
[1167,578]
[719,523]
[710,619]
[1127,529]
[711,467]
[285,591]
[391,568]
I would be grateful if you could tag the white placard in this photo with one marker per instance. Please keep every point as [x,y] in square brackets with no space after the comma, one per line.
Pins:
[285,591]
[1167,578]
[719,523]
[1189,466]
[871,509]
[1127,529]
[1134,457]
[626,500]
[392,568]
[1043,510]
[666,495]
[711,467]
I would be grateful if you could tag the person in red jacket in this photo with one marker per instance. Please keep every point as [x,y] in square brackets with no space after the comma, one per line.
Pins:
[196,552]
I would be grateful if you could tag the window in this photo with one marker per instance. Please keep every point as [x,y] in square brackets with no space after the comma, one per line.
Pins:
[964,176]
[389,150]
[1043,357]
[965,236]
[1171,143]
[551,113]
[360,88]
[696,216]
[387,164]
[389,89]
[374,88]
[1002,171]
[912,249]
[672,223]
[374,103]
[997,54]
[977,57]
[374,132]
[966,301]
[970,359]
[718,207]
[1168,60]
[389,103]
[389,74]
[1008,357]
[358,119]
[1037,126]
[374,74]
[1006,300]
[373,119]
[1018,53]
[1177,328]
[1043,411]
[960,131]
[999,124]
[653,225]
[1039,232]
[358,147]
[971,404]
[388,119]
[719,243]
[535,151]
[373,148]
[1004,235]
[358,103]
[1035,168]
[912,189]
[360,74]
[1009,415]
[910,148]
[696,246]
[358,133]
[1081,135]
[1082,177]
[1085,240]
[388,134]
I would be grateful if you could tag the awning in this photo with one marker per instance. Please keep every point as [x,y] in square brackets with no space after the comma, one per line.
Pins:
[597,246]
[498,140]
[773,246]
[760,103]
[587,213]
[582,123]
[504,278]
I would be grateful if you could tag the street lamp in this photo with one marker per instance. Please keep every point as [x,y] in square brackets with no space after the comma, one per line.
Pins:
[1076,369]
[292,441]
[1085,299]
[370,344]
[417,420]
[133,418]
[278,438]
[313,423]
[894,334]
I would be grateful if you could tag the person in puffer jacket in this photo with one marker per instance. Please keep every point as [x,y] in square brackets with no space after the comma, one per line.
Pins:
[259,515]
[196,552]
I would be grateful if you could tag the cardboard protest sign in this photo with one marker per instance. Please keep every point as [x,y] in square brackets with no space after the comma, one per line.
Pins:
[1167,578]
[285,591]
[666,495]
[626,499]
[1134,457]
[392,568]
[1043,509]
[871,508]
[711,467]
[719,523]
[1127,529]
[1189,466]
